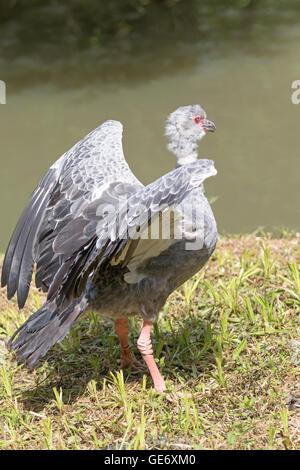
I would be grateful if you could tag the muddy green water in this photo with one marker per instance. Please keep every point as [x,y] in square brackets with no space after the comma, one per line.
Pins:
[246,91]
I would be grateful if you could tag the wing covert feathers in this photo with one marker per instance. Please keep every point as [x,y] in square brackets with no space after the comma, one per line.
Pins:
[91,252]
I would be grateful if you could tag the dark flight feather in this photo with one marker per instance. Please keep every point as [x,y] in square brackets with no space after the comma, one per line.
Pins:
[46,327]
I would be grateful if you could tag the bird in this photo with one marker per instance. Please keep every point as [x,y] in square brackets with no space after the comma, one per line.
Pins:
[100,241]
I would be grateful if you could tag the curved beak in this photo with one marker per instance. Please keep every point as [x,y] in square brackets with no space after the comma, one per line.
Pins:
[208,126]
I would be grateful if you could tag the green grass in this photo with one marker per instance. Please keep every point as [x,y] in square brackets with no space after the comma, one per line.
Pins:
[230,335]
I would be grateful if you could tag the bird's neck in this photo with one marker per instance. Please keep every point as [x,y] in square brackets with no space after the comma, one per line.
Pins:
[185,150]
[185,159]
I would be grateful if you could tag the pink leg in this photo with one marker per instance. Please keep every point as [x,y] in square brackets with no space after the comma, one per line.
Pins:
[127,358]
[145,346]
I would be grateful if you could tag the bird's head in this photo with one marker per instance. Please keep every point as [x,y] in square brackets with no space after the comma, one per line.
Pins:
[184,128]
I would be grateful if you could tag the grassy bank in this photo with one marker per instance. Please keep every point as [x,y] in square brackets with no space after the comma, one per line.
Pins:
[231,336]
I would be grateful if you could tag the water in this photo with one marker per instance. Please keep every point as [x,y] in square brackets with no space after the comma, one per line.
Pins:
[244,85]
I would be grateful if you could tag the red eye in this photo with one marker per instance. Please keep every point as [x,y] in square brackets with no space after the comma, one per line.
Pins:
[197,119]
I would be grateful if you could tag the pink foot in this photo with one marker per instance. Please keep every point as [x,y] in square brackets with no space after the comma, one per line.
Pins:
[129,361]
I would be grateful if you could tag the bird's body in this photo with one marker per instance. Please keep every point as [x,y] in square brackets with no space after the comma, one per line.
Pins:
[104,242]
[159,275]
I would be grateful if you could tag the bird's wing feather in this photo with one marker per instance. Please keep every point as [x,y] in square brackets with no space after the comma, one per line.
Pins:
[74,181]
[99,237]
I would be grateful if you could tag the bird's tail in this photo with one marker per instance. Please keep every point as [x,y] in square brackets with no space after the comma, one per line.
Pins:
[46,327]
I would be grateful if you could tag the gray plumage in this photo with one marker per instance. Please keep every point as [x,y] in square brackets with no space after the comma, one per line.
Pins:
[89,258]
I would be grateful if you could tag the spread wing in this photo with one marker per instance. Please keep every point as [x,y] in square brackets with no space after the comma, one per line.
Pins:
[78,178]
[101,236]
